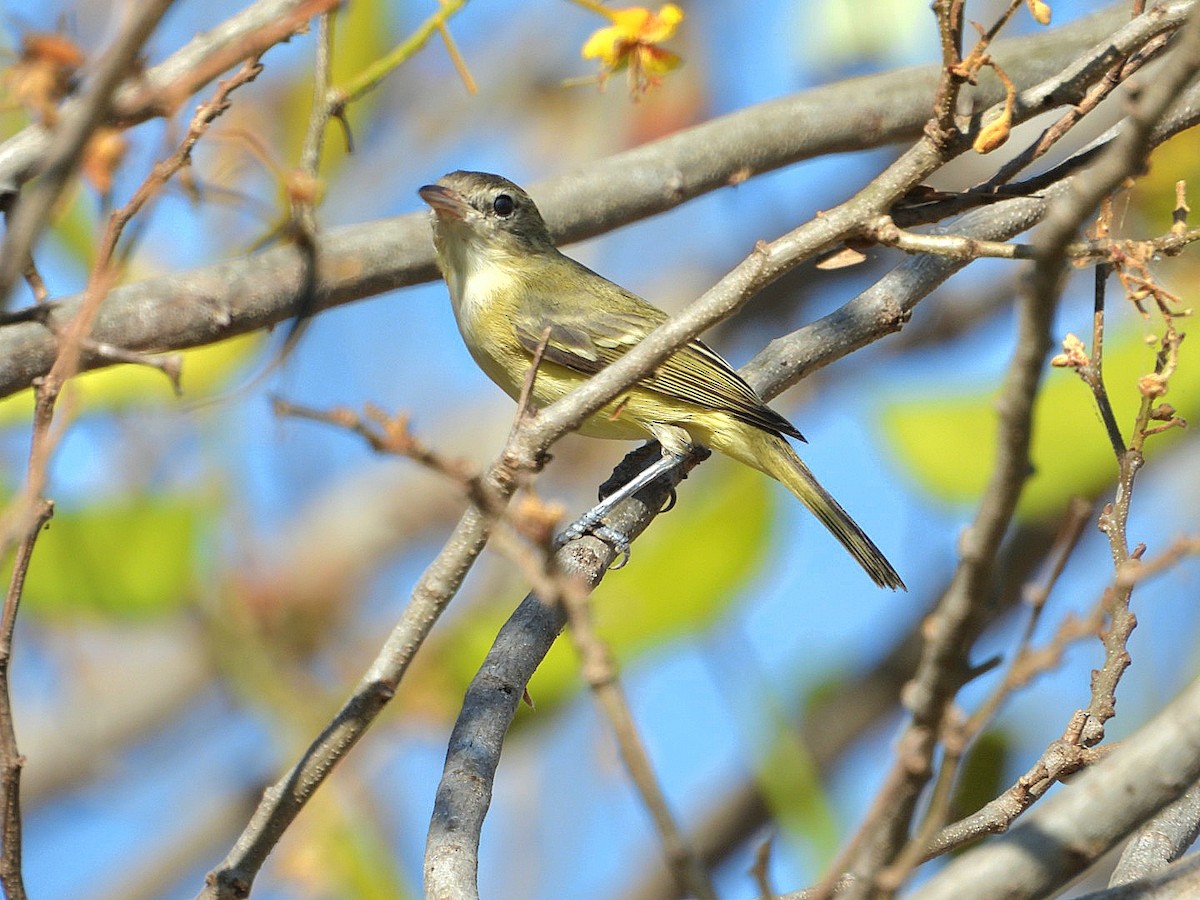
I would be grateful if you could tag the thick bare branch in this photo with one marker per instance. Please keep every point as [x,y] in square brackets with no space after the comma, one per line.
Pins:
[1160,841]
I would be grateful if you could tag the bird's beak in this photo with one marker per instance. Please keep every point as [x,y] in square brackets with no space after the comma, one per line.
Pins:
[444,201]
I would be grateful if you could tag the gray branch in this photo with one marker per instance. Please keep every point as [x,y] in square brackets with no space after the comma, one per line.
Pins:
[1160,841]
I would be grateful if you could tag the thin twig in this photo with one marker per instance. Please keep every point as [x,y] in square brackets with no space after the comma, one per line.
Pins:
[1072,828]
[1114,78]
[339,97]
[11,761]
[384,434]
[1023,666]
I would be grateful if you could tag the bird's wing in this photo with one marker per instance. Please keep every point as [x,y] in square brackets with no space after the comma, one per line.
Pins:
[586,337]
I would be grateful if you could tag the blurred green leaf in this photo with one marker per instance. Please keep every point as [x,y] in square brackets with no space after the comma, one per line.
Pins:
[948,443]
[205,371]
[362,32]
[687,570]
[124,558]
[791,784]
[359,861]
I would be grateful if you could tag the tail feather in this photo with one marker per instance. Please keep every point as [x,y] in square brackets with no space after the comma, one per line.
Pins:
[774,456]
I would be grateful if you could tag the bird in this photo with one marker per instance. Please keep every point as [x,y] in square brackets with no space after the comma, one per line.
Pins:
[514,294]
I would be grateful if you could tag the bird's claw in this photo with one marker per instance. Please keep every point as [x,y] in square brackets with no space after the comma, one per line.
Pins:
[587,525]
[618,541]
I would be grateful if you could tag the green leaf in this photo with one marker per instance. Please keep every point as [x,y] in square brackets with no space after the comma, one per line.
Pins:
[127,558]
[791,785]
[687,570]
[948,443]
[984,773]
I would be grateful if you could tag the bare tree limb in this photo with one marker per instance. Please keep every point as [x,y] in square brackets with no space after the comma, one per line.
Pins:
[1160,841]
[1180,879]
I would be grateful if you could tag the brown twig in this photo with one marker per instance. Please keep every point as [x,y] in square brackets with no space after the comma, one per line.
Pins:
[384,434]
[1025,664]
[30,507]
[11,761]
[1114,78]
[953,628]
[942,127]
[884,231]
[1062,758]
[760,869]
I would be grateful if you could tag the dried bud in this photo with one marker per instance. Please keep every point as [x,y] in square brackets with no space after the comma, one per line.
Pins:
[304,188]
[44,73]
[842,258]
[1152,385]
[537,519]
[1074,354]
[994,134]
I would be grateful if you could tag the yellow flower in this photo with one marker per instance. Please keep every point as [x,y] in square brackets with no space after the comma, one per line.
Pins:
[631,42]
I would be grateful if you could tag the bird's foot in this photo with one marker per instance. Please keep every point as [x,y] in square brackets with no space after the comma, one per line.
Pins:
[591,524]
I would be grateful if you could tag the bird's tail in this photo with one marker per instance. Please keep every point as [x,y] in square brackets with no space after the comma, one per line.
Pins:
[774,456]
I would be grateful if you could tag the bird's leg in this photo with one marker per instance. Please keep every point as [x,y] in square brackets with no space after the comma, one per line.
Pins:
[589,522]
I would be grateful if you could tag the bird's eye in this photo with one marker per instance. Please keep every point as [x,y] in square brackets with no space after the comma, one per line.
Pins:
[504,205]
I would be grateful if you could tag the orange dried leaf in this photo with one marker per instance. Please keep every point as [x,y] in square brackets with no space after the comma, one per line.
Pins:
[102,156]
[43,74]
[842,258]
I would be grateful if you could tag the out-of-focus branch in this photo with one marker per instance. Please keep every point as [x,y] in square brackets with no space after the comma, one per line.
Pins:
[163,88]
[1180,879]
[599,671]
[1161,841]
[11,761]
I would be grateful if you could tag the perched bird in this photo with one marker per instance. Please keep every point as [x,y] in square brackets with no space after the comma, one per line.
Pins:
[510,286]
